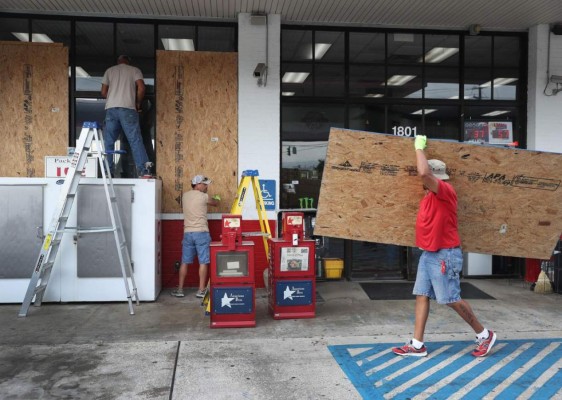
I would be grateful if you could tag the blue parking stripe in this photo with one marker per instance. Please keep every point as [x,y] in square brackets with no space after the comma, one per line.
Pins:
[506,358]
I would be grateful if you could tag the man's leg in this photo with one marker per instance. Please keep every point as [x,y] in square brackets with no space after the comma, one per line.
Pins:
[130,123]
[203,268]
[422,313]
[111,133]
[183,274]
[465,311]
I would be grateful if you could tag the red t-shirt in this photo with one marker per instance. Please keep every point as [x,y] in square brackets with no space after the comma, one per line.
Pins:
[436,223]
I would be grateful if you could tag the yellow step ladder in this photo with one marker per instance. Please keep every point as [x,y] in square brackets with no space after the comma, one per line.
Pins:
[249,177]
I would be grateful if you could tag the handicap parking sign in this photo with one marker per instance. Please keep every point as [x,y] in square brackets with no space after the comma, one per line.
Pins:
[267,188]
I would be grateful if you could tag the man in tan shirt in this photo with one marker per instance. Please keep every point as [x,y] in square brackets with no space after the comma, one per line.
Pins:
[196,237]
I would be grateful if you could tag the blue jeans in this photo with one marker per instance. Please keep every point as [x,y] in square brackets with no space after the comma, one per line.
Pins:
[196,243]
[438,275]
[124,120]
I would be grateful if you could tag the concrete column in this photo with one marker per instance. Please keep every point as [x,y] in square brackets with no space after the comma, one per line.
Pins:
[544,108]
[259,105]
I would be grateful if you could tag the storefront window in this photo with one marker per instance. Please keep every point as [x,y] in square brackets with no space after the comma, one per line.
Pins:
[478,68]
[94,54]
[491,125]
[137,41]
[14,29]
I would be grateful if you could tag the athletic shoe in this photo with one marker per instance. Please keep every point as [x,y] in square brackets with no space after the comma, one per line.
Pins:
[484,345]
[409,350]
[201,293]
[177,293]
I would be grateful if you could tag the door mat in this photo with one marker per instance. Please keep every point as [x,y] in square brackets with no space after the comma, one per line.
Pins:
[403,291]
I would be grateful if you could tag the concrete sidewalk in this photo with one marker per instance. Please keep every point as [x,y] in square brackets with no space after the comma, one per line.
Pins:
[167,350]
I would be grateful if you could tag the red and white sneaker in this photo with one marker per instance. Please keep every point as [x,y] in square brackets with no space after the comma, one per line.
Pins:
[409,350]
[484,345]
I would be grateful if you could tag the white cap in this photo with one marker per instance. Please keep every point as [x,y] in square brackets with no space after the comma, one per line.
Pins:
[200,179]
[439,169]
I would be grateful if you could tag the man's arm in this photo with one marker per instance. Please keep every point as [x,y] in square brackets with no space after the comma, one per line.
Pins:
[104,90]
[140,93]
[427,177]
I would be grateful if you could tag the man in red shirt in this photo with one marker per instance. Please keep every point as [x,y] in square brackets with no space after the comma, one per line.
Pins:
[440,264]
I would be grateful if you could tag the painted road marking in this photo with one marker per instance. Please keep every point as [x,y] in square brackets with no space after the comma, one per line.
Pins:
[515,369]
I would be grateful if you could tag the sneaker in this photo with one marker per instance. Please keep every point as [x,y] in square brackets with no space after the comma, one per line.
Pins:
[177,293]
[409,350]
[484,345]
[201,293]
[147,171]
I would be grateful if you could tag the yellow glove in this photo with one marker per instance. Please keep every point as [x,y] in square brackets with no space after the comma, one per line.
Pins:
[216,197]
[420,142]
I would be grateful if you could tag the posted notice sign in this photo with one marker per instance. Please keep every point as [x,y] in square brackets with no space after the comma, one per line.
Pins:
[57,167]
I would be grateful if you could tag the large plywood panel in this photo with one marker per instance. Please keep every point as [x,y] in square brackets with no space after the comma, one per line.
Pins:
[510,200]
[33,106]
[197,124]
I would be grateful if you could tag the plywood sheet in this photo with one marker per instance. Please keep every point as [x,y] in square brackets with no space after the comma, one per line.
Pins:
[33,106]
[510,200]
[197,124]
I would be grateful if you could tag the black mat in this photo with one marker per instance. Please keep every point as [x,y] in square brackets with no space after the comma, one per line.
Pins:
[403,291]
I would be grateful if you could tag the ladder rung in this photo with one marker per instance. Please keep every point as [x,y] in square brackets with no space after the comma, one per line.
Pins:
[71,195]
[48,265]
[63,218]
[55,242]
[40,288]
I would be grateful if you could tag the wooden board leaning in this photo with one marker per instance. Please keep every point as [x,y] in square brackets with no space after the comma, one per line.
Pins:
[510,200]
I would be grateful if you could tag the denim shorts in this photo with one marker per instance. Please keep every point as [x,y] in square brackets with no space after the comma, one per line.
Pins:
[196,243]
[431,282]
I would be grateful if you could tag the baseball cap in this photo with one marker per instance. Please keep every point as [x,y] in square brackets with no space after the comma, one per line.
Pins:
[200,179]
[439,169]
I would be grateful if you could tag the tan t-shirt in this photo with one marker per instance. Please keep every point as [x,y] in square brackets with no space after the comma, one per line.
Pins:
[194,205]
[122,91]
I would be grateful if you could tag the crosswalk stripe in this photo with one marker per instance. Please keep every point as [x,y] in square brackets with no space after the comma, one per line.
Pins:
[542,379]
[445,381]
[520,371]
[419,377]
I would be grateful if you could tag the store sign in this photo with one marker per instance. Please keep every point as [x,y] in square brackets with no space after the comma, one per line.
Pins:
[58,166]
[267,188]
[492,132]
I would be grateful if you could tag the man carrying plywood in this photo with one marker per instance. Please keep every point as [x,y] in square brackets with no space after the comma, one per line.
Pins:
[440,265]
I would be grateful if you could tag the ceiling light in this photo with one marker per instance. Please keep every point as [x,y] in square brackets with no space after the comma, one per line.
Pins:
[287,93]
[35,37]
[498,82]
[81,73]
[494,113]
[438,54]
[374,95]
[320,50]
[399,80]
[178,44]
[295,77]
[427,111]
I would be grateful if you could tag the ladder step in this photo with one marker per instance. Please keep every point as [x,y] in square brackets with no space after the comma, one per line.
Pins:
[41,288]
[64,218]
[48,265]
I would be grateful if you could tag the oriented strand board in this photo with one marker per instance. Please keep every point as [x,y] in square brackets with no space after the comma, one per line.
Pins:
[510,200]
[33,106]
[197,124]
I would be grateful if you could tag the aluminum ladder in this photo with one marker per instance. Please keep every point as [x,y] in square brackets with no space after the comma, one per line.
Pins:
[89,143]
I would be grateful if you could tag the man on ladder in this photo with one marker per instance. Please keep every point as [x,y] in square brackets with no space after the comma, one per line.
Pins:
[88,143]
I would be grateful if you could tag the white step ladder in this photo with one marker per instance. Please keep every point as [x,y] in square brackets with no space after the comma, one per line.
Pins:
[89,143]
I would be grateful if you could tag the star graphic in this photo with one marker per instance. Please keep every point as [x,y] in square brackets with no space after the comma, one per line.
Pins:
[288,293]
[225,301]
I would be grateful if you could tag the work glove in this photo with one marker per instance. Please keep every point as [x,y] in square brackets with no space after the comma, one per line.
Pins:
[216,197]
[420,142]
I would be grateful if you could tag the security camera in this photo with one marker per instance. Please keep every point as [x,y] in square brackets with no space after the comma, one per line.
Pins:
[260,70]
[556,79]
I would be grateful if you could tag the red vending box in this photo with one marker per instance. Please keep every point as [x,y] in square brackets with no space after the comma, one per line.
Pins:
[292,280]
[232,288]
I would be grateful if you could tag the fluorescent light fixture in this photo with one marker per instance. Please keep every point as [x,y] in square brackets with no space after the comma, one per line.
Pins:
[295,77]
[374,95]
[399,80]
[35,37]
[320,50]
[81,73]
[498,82]
[456,97]
[178,44]
[494,113]
[427,111]
[287,93]
[438,54]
